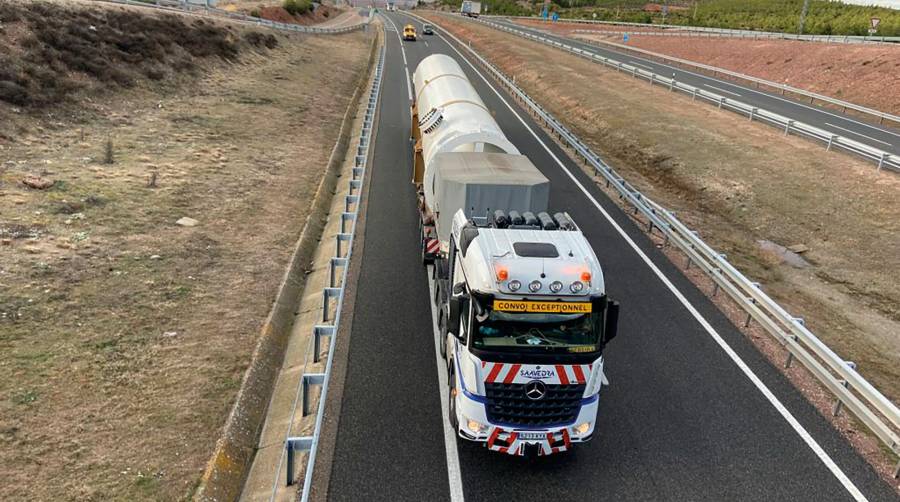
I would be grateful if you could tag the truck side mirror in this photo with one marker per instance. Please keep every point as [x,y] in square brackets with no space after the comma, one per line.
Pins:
[454,315]
[612,321]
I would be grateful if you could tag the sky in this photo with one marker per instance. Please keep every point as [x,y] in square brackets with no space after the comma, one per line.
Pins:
[894,4]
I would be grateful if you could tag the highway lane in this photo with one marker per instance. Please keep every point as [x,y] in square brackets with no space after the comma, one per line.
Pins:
[681,419]
[857,129]
[388,443]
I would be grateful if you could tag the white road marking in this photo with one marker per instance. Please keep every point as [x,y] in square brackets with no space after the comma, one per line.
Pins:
[408,86]
[722,90]
[453,472]
[858,134]
[641,65]
[763,389]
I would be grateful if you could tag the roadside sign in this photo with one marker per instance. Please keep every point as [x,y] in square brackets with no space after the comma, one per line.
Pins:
[875,22]
[595,15]
[625,37]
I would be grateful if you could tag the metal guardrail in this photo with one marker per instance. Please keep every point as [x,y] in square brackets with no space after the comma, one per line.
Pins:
[727,32]
[882,158]
[844,105]
[840,377]
[333,292]
[204,8]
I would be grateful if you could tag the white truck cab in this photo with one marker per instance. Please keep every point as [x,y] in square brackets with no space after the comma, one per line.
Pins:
[525,320]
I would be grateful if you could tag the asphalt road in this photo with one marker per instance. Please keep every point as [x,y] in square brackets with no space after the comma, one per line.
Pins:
[682,420]
[857,129]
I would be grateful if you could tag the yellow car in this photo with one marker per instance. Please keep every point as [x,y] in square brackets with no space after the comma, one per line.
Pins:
[409,32]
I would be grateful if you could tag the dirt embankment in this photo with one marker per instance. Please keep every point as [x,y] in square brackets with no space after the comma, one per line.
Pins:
[133,287]
[275,11]
[860,74]
[740,183]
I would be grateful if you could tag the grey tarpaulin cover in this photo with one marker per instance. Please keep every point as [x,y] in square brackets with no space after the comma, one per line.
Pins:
[479,182]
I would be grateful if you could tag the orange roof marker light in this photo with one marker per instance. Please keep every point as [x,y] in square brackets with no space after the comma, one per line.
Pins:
[586,276]
[502,273]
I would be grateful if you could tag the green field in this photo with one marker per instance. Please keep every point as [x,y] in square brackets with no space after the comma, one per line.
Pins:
[824,17]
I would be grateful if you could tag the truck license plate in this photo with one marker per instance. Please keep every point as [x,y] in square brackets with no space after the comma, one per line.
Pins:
[532,435]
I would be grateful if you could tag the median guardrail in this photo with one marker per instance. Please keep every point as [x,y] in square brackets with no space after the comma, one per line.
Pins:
[727,32]
[204,8]
[784,88]
[840,377]
[881,158]
[332,304]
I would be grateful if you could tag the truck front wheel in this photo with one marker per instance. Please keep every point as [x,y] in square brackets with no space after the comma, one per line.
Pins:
[442,332]
[454,422]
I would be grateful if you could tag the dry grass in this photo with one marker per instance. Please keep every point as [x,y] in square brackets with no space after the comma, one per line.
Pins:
[124,337]
[59,49]
[740,182]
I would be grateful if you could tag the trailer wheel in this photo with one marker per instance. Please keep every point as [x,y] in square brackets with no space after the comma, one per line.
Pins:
[441,269]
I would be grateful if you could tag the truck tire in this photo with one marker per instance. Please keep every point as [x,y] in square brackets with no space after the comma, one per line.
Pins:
[452,404]
[442,332]
[441,269]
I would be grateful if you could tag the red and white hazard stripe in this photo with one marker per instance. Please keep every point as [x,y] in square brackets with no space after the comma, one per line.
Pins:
[576,374]
[432,246]
[573,374]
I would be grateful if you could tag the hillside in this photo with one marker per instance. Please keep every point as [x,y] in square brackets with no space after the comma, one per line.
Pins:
[155,173]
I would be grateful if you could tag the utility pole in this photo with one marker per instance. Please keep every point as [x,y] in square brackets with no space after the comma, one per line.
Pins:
[803,15]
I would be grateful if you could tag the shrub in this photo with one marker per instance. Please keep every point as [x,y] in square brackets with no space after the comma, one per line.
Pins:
[14,93]
[296,7]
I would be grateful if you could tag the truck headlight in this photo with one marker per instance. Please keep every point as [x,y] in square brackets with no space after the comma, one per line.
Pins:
[576,287]
[582,429]
[476,427]
[514,285]
[556,286]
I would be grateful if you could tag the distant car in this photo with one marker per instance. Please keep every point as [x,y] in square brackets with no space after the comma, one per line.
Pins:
[427,29]
[409,32]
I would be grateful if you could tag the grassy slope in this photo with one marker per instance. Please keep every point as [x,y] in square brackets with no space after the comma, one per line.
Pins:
[124,337]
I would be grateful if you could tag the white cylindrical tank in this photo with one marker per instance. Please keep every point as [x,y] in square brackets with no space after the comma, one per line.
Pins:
[452,117]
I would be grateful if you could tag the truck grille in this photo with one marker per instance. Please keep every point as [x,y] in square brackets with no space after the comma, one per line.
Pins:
[507,404]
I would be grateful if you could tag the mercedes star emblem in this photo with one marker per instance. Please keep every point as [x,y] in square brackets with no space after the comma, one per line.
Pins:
[535,390]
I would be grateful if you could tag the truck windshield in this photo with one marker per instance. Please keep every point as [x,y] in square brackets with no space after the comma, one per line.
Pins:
[536,332]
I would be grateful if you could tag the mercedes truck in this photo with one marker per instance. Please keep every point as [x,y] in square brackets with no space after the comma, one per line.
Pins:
[522,311]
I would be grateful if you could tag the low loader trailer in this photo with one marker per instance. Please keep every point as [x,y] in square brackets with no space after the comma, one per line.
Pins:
[523,315]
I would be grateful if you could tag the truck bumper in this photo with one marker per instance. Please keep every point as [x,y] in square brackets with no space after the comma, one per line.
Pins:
[521,441]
